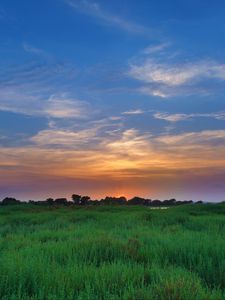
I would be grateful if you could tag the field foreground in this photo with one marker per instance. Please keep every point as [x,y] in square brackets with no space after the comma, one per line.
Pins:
[111,253]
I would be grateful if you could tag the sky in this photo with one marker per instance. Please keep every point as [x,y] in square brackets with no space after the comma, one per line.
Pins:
[123,97]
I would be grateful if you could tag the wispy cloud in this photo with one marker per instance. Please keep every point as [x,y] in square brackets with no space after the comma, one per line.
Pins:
[167,76]
[182,117]
[37,74]
[56,106]
[95,10]
[129,156]
[34,50]
[152,49]
[170,117]
[199,139]
[34,90]
[64,138]
[79,136]
[65,107]
[178,74]
[134,112]
[138,148]
[160,91]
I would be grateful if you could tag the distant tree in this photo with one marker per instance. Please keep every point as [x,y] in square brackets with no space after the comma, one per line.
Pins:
[147,202]
[107,200]
[113,201]
[136,201]
[41,203]
[84,200]
[199,202]
[50,201]
[156,203]
[76,199]
[10,201]
[188,202]
[170,202]
[61,201]
[179,202]
[94,202]
[121,200]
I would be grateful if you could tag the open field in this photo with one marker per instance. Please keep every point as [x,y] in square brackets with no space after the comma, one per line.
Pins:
[109,253]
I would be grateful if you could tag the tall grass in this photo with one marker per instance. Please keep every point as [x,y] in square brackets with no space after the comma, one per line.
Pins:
[109,253]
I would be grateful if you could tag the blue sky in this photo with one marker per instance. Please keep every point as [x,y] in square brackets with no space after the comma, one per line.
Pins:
[112,97]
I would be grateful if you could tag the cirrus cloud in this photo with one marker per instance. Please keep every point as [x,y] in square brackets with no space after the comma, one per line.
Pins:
[95,10]
[165,76]
[182,117]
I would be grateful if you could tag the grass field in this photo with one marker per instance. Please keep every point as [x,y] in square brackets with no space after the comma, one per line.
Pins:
[109,253]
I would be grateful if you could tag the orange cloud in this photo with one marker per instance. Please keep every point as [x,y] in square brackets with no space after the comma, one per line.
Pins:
[143,160]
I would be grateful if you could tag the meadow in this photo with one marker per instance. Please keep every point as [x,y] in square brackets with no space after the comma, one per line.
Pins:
[111,253]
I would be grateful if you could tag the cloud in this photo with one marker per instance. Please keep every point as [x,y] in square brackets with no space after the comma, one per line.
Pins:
[197,140]
[140,149]
[64,138]
[165,75]
[178,74]
[39,74]
[133,112]
[152,49]
[34,50]
[170,117]
[56,106]
[95,10]
[141,155]
[26,87]
[154,163]
[88,134]
[37,90]
[115,118]
[63,107]
[130,142]
[182,117]
[157,92]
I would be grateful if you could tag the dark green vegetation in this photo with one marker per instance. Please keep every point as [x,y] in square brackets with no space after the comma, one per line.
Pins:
[111,253]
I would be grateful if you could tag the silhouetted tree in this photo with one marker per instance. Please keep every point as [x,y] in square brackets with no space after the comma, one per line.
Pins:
[170,202]
[84,200]
[76,199]
[136,201]
[113,200]
[31,202]
[95,202]
[61,201]
[147,202]
[121,200]
[156,203]
[10,201]
[50,201]
[179,202]
[187,202]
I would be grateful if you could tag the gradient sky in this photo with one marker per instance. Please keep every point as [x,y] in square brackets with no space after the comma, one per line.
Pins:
[122,97]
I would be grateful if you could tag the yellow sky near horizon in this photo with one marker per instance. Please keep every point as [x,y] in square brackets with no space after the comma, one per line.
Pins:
[133,162]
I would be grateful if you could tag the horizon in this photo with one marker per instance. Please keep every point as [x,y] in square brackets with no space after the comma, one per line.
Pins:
[119,98]
[69,198]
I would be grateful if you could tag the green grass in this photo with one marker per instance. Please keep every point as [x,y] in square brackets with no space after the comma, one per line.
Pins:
[111,253]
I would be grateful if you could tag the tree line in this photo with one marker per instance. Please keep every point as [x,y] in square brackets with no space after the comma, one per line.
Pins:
[79,200]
